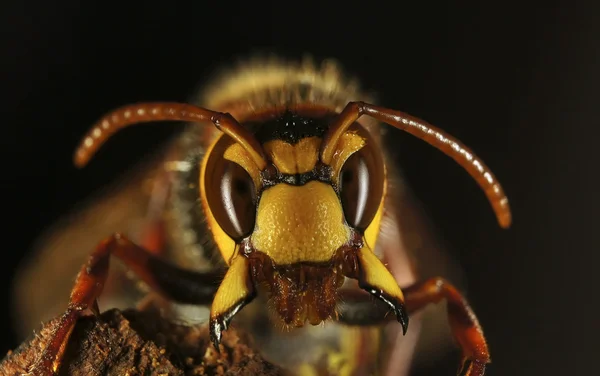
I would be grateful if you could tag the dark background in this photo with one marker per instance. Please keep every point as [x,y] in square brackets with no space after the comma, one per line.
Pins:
[517,83]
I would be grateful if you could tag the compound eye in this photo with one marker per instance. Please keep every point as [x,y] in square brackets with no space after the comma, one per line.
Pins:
[361,188]
[237,211]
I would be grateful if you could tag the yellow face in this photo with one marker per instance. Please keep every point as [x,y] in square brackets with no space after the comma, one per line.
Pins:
[311,215]
[292,226]
[299,223]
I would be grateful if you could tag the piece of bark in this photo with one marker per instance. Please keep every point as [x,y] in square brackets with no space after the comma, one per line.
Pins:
[142,343]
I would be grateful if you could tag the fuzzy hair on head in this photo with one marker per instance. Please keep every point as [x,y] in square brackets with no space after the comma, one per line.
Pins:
[263,82]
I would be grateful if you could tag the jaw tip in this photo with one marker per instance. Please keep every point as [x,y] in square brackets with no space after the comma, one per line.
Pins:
[216,332]
[402,317]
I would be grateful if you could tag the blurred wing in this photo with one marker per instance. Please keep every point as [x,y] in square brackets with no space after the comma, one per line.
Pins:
[413,253]
[44,280]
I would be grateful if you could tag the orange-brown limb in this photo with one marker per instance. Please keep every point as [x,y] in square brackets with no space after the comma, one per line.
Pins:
[463,322]
[165,111]
[434,137]
[172,282]
[360,309]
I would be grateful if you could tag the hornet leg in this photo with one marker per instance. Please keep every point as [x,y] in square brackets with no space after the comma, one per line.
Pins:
[360,309]
[170,281]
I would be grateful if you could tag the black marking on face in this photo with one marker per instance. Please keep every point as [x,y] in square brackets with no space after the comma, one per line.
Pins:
[320,172]
[290,127]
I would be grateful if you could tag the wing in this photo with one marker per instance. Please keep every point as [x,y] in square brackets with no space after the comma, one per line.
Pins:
[413,252]
[59,253]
